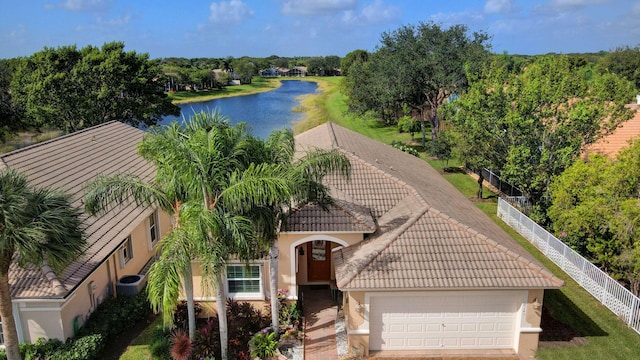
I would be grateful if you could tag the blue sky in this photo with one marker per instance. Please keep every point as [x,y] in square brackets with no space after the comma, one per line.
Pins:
[259,28]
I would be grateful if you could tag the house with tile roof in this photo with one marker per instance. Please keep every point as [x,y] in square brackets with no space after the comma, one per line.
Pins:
[611,144]
[120,243]
[420,267]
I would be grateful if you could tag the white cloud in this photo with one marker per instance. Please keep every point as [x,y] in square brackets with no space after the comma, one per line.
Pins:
[374,13]
[469,17]
[316,7]
[229,12]
[87,5]
[499,6]
[555,6]
[117,21]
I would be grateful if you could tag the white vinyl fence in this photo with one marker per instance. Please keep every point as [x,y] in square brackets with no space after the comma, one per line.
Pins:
[608,291]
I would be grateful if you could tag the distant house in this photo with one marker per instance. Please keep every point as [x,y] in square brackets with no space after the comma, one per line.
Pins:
[121,243]
[611,144]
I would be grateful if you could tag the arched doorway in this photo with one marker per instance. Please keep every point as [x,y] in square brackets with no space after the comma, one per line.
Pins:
[312,263]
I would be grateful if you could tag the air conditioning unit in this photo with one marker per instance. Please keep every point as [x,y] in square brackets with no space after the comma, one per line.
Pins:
[130,285]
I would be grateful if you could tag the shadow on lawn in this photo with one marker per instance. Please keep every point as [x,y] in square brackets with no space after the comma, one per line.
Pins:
[563,321]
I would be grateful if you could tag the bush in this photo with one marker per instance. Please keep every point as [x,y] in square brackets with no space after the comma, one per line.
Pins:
[264,344]
[160,344]
[402,147]
[83,348]
[116,315]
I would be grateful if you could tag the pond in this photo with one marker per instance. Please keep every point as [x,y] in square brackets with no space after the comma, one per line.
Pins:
[264,112]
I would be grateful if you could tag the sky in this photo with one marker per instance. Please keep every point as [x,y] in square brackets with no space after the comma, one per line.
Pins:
[260,28]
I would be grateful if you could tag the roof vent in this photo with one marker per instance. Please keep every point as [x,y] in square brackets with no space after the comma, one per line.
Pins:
[130,285]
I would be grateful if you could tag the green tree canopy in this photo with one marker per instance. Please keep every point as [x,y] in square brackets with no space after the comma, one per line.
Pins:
[72,89]
[624,61]
[537,123]
[419,67]
[596,210]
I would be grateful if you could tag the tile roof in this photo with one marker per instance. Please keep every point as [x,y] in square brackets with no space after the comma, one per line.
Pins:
[67,163]
[341,217]
[611,144]
[429,235]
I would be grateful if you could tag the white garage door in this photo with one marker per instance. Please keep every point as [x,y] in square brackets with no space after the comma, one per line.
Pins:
[444,320]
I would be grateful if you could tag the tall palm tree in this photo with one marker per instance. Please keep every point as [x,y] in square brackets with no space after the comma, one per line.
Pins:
[208,176]
[38,226]
[305,174]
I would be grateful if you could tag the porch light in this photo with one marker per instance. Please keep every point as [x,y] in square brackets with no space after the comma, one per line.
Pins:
[359,308]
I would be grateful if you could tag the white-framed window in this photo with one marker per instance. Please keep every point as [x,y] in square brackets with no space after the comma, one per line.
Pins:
[153,229]
[244,281]
[1,334]
[126,252]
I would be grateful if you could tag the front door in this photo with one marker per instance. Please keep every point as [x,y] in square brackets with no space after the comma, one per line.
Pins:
[319,260]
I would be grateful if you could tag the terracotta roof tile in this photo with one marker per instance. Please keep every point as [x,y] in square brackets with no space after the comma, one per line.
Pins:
[611,144]
[68,163]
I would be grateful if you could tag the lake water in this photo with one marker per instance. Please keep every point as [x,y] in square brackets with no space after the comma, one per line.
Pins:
[264,112]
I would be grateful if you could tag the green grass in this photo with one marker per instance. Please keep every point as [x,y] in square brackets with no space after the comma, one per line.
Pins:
[139,348]
[257,85]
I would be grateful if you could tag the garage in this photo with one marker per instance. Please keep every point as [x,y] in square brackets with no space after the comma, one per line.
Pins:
[444,320]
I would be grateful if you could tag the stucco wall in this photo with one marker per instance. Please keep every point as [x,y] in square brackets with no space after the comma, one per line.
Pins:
[56,319]
[530,334]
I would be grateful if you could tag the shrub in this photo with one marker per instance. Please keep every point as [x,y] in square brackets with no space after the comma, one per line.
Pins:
[160,345]
[181,315]
[116,315]
[207,339]
[402,147]
[181,347]
[83,348]
[264,344]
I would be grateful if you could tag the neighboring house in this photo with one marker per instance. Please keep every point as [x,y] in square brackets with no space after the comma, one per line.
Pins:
[611,144]
[121,243]
[420,267]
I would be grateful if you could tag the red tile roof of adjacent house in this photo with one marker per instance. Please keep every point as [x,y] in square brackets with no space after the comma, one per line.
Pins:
[611,144]
[68,163]
[428,235]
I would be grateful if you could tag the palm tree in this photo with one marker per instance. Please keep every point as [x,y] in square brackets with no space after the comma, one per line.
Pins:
[305,175]
[38,226]
[209,179]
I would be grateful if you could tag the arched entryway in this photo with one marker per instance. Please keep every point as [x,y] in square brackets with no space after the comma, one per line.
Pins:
[312,263]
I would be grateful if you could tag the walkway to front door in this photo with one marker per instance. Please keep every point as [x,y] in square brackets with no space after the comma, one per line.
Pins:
[320,316]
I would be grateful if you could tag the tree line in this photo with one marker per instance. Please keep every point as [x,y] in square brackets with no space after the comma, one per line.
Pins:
[527,118]
[69,89]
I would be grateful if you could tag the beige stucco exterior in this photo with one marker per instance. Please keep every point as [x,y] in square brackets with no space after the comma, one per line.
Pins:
[60,318]
[354,305]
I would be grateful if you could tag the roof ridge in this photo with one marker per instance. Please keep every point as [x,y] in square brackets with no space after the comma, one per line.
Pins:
[390,238]
[16,151]
[51,276]
[517,257]
[353,213]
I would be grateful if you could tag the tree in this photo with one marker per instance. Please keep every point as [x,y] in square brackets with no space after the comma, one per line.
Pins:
[356,56]
[38,227]
[535,124]
[305,175]
[208,166]
[479,121]
[72,89]
[595,210]
[245,69]
[624,61]
[429,64]
[10,113]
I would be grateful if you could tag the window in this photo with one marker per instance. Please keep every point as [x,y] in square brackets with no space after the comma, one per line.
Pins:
[126,252]
[1,334]
[152,222]
[244,281]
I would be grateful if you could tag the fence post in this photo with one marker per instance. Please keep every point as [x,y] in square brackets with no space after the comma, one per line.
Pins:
[632,313]
[605,292]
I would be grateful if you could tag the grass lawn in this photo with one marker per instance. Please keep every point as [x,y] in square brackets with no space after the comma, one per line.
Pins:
[258,84]
[139,348]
